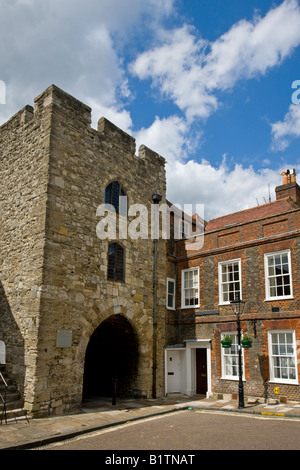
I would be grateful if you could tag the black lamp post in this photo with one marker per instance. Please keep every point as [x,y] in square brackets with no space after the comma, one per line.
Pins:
[238,306]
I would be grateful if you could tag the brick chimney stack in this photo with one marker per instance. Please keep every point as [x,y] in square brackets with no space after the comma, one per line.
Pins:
[289,187]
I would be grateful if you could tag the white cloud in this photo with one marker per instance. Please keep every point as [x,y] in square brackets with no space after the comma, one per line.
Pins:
[119,117]
[73,44]
[221,189]
[176,70]
[191,71]
[169,136]
[250,48]
[78,45]
[283,131]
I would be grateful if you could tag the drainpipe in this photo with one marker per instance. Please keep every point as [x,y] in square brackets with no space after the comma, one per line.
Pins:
[156,199]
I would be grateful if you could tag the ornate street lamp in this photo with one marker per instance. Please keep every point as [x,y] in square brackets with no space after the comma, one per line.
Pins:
[238,307]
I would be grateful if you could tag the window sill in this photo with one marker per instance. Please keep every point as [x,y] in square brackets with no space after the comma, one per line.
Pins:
[276,299]
[191,307]
[284,382]
[227,303]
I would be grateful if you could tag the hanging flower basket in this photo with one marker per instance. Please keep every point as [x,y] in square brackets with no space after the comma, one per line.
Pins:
[246,342]
[226,342]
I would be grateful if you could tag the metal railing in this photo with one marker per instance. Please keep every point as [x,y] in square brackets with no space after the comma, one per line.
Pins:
[3,399]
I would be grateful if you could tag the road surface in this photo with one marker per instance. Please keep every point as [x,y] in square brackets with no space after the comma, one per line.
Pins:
[193,430]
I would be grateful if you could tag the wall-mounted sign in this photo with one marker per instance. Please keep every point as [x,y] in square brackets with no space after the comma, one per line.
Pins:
[2,353]
[64,339]
[276,390]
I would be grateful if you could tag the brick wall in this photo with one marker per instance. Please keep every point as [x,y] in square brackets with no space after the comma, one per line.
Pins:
[270,228]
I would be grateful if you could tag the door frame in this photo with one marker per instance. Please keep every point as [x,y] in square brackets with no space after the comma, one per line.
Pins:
[191,372]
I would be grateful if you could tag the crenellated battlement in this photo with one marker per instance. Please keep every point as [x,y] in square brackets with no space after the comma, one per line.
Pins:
[111,132]
[54,103]
[53,98]
[147,154]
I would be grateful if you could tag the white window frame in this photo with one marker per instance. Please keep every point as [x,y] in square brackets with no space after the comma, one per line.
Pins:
[273,379]
[267,277]
[183,289]
[221,289]
[225,353]
[171,280]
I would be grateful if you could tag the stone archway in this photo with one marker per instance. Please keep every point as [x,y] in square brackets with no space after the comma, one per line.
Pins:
[112,353]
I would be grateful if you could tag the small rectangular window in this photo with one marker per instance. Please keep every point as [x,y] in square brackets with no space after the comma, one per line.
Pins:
[230,358]
[229,281]
[170,294]
[283,356]
[190,288]
[115,262]
[278,275]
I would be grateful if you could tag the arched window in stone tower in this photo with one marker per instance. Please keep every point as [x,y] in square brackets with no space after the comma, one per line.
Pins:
[115,195]
[116,262]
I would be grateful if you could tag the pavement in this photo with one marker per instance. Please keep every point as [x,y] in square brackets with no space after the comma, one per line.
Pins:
[96,414]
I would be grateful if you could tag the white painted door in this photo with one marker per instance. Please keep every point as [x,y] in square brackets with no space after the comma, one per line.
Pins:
[174,371]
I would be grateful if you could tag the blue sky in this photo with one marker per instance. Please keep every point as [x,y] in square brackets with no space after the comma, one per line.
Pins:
[206,83]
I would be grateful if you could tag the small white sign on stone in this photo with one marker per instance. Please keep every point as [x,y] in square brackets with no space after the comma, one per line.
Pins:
[2,353]
[64,338]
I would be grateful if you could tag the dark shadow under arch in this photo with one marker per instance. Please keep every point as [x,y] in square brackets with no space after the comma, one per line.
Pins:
[112,353]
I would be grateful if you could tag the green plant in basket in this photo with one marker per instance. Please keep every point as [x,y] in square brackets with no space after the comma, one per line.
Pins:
[226,342]
[246,341]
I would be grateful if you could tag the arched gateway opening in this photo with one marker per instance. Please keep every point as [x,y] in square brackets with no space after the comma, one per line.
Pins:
[112,353]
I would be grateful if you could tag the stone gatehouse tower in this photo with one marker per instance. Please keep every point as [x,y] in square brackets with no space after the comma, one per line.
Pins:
[76,311]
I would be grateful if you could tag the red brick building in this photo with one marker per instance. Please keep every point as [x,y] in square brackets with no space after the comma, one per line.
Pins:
[254,253]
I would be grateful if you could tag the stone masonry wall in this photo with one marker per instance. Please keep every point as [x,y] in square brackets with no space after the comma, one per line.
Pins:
[76,295]
[54,275]
[24,155]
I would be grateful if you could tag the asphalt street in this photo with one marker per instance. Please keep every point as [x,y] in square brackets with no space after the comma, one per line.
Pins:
[192,430]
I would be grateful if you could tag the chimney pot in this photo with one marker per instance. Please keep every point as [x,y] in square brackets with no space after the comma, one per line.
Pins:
[285,176]
[289,187]
[293,176]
